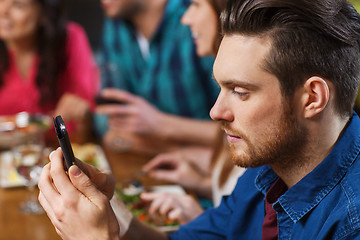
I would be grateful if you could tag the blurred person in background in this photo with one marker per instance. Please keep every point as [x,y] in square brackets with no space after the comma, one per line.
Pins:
[208,174]
[149,64]
[46,64]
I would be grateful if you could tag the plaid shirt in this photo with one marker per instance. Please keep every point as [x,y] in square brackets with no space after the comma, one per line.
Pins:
[172,77]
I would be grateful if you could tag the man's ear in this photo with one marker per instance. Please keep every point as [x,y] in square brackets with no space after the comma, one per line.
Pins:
[316,96]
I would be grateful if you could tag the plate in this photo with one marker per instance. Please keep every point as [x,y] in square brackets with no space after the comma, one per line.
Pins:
[92,154]
[17,127]
[9,177]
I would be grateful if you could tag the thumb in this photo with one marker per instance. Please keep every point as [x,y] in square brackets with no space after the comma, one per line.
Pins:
[83,183]
[148,196]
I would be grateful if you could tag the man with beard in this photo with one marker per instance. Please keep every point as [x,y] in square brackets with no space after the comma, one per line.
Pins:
[149,62]
[288,72]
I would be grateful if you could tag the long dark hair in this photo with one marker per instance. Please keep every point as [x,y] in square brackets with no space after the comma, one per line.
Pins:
[218,6]
[50,45]
[309,38]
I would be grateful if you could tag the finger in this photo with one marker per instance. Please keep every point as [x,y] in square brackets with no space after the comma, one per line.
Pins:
[152,164]
[100,178]
[86,168]
[166,175]
[116,110]
[119,123]
[48,209]
[58,174]
[47,188]
[167,205]
[149,196]
[175,214]
[102,181]
[155,205]
[156,202]
[83,183]
[157,162]
[119,95]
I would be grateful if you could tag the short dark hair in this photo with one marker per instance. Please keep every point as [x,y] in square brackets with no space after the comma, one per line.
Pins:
[309,38]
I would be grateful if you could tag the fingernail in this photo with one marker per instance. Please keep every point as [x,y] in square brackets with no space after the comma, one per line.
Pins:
[50,155]
[75,170]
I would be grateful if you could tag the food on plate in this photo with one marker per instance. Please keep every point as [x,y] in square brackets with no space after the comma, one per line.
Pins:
[87,153]
[18,127]
[24,122]
[139,208]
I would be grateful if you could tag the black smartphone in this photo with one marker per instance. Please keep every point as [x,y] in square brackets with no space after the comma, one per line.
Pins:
[64,141]
[99,100]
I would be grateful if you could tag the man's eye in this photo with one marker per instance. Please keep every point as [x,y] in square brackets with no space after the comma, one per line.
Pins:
[241,94]
[240,91]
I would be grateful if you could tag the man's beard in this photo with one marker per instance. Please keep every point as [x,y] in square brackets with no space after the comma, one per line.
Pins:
[279,144]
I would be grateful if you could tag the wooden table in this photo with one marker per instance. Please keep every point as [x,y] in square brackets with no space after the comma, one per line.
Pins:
[15,225]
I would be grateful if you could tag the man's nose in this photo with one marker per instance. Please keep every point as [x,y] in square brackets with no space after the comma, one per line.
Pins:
[221,110]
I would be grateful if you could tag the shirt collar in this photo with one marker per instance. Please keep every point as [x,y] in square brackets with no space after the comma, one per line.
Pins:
[310,190]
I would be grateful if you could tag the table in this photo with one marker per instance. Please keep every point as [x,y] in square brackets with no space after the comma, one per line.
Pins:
[15,225]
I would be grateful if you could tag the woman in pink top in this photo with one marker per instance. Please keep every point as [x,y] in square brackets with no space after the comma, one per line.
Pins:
[46,64]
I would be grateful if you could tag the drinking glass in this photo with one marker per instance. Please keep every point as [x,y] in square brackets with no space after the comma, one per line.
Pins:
[29,160]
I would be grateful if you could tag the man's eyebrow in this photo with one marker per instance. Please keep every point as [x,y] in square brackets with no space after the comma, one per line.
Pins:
[232,82]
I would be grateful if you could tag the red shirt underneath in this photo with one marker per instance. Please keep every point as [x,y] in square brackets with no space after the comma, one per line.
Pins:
[269,227]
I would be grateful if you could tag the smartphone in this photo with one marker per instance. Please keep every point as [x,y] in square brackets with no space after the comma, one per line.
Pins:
[64,141]
[101,101]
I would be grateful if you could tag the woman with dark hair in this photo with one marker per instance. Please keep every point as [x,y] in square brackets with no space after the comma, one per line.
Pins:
[46,64]
[202,17]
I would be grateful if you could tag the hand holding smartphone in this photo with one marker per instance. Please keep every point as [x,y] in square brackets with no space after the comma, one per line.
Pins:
[64,142]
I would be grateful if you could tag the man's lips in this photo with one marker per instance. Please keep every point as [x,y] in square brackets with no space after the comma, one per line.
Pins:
[232,138]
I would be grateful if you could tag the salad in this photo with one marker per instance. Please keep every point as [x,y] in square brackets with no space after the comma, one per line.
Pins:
[130,195]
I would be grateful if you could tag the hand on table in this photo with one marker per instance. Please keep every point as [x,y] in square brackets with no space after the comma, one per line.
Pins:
[181,207]
[78,206]
[173,168]
[199,157]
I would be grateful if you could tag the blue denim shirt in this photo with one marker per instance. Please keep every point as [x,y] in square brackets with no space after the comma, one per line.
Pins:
[325,204]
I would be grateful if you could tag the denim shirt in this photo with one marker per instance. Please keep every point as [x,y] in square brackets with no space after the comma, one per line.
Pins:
[325,204]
